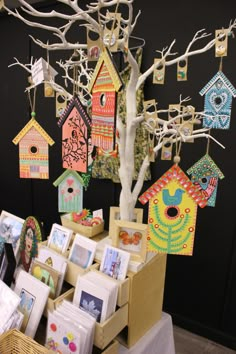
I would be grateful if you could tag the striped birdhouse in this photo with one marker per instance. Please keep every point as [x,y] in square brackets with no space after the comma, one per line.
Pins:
[104,85]
[173,201]
[205,175]
[33,150]
[75,124]
[70,191]
[218,100]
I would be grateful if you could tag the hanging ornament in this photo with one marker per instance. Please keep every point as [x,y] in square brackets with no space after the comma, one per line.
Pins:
[205,175]
[221,42]
[61,103]
[104,85]
[33,143]
[166,150]
[111,30]
[182,68]
[159,71]
[218,100]
[187,122]
[94,45]
[173,201]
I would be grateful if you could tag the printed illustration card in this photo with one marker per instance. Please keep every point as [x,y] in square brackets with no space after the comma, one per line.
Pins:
[115,262]
[47,275]
[82,251]
[59,238]
[33,297]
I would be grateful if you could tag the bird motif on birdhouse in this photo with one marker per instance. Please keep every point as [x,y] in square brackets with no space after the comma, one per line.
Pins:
[104,86]
[173,202]
[75,124]
[218,100]
[205,175]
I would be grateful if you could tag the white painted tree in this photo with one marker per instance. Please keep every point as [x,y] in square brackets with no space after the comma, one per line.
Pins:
[94,18]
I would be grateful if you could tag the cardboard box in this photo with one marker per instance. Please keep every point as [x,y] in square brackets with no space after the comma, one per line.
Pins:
[145,299]
[112,348]
[88,231]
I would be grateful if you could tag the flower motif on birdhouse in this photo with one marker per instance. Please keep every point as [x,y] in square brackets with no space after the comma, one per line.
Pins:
[218,100]
[205,175]
[33,150]
[70,191]
[104,85]
[75,124]
[173,201]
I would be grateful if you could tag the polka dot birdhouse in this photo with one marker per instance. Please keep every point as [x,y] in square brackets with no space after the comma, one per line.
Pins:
[173,202]
[70,191]
[205,175]
[218,100]
[104,86]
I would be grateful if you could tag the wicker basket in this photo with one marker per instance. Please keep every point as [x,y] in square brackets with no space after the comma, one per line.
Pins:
[15,342]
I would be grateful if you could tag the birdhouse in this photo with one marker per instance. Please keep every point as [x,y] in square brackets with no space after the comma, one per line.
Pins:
[70,191]
[33,150]
[75,124]
[218,100]
[205,175]
[173,201]
[104,85]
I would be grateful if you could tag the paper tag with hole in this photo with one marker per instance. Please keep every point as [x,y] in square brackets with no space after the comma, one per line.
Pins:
[174,110]
[187,122]
[166,151]
[182,68]
[151,144]
[159,72]
[111,31]
[221,42]
[1,4]
[61,104]
[150,112]
[94,45]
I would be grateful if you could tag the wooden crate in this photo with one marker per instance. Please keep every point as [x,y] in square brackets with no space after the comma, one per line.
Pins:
[145,299]
[88,231]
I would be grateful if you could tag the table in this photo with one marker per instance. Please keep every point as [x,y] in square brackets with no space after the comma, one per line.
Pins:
[158,340]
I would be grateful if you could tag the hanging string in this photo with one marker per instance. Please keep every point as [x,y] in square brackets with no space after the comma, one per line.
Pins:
[221,64]
[113,23]
[75,74]
[178,146]
[208,143]
[32,101]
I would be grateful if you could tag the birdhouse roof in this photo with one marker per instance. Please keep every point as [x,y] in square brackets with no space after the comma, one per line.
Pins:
[205,164]
[33,124]
[219,76]
[75,102]
[176,173]
[67,173]
[106,58]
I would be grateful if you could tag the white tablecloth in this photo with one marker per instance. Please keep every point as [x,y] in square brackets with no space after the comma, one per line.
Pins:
[158,340]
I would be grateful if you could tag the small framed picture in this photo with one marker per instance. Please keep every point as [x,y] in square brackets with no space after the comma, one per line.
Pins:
[82,251]
[59,238]
[10,229]
[115,215]
[115,262]
[7,264]
[131,237]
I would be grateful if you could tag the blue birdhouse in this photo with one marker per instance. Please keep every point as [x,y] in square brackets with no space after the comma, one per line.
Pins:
[218,100]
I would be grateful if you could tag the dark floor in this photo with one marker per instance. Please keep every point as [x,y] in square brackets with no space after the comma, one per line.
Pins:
[189,343]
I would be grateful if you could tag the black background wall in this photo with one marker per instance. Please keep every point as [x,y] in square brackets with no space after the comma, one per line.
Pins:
[199,290]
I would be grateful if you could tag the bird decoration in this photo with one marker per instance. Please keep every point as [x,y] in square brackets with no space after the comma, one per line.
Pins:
[175,199]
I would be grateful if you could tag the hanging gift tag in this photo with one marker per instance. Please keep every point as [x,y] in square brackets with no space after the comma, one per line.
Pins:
[61,104]
[182,68]
[151,143]
[94,45]
[221,44]
[166,151]
[187,122]
[174,111]
[48,90]
[150,113]
[1,4]
[111,31]
[159,72]
[42,71]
